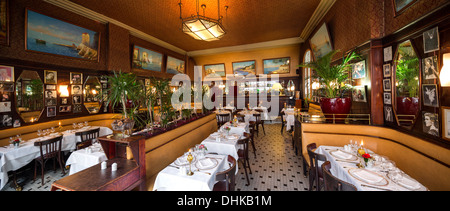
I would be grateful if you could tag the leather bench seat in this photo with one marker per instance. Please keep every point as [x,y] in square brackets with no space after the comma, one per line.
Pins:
[426,162]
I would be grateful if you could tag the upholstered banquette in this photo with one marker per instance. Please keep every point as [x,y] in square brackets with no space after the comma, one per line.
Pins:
[428,163]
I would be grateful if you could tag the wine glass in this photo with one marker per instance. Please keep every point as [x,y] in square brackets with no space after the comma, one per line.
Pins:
[39,133]
[86,123]
[74,125]
[52,129]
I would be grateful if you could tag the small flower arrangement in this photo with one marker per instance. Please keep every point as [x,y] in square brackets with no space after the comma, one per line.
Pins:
[202,147]
[366,157]
[228,128]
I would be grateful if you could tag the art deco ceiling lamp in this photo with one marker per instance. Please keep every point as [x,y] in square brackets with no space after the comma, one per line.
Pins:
[201,27]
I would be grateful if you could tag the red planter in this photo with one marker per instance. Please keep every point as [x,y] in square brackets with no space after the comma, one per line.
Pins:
[336,106]
[407,106]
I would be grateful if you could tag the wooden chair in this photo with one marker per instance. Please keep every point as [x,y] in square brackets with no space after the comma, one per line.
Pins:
[283,121]
[252,139]
[243,154]
[332,183]
[240,117]
[226,179]
[49,149]
[87,137]
[259,120]
[315,171]
[222,119]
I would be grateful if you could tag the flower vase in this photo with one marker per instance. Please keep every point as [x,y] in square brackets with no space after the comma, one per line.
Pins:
[16,145]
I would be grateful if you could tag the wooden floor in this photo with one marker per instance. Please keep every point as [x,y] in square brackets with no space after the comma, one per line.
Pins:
[275,168]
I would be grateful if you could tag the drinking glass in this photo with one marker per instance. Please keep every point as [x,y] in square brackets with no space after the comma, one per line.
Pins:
[52,129]
[39,133]
[74,125]
[86,123]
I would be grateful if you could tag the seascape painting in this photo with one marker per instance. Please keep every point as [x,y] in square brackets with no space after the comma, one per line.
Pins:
[244,68]
[218,69]
[321,43]
[146,59]
[401,5]
[49,35]
[175,66]
[277,66]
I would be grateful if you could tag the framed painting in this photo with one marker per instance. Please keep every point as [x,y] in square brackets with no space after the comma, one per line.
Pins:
[175,66]
[431,40]
[430,95]
[401,5]
[244,68]
[430,123]
[387,70]
[146,59]
[218,69]
[6,74]
[446,123]
[277,66]
[359,70]
[76,78]
[4,22]
[49,35]
[359,94]
[320,43]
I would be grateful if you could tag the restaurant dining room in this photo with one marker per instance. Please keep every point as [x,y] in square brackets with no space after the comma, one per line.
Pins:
[254,97]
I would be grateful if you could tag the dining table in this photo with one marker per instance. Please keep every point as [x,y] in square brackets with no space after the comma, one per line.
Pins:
[248,115]
[381,175]
[289,117]
[204,167]
[12,158]
[223,143]
[85,158]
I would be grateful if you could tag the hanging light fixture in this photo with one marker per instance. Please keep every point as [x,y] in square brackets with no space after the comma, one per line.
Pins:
[201,27]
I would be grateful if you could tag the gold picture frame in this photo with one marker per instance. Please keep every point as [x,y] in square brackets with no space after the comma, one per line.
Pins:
[446,123]
[50,77]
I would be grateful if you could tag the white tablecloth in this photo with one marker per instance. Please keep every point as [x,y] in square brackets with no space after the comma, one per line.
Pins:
[341,168]
[248,115]
[12,159]
[82,159]
[225,146]
[265,114]
[170,178]
[240,129]
[289,117]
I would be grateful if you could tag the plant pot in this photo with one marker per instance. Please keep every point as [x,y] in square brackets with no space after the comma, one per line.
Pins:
[336,106]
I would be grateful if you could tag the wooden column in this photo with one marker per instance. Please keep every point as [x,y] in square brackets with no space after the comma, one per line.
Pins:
[376,58]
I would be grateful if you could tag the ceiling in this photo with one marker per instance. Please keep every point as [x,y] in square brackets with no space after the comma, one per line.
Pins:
[247,22]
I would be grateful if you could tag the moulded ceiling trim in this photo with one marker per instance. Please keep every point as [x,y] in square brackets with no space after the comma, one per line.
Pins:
[319,13]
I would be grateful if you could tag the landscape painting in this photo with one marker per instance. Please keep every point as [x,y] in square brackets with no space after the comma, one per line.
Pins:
[401,5]
[321,43]
[49,35]
[244,68]
[218,69]
[276,66]
[175,66]
[146,59]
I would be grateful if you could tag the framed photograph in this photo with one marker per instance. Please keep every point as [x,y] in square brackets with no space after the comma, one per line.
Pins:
[359,70]
[64,101]
[51,111]
[6,120]
[5,107]
[387,54]
[277,66]
[446,123]
[388,114]
[387,98]
[50,87]
[76,99]
[244,68]
[430,68]
[175,66]
[387,70]
[50,77]
[320,43]
[387,85]
[77,109]
[431,40]
[65,109]
[49,94]
[6,74]
[430,95]
[5,97]
[430,123]
[359,94]
[50,102]
[401,5]
[4,22]
[76,78]
[218,69]
[16,123]
[49,35]
[77,89]
[146,59]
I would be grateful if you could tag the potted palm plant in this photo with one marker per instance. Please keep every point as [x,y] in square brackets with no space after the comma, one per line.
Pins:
[333,77]
[123,87]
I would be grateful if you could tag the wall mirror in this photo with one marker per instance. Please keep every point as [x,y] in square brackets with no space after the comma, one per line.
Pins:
[29,96]
[92,93]
[407,74]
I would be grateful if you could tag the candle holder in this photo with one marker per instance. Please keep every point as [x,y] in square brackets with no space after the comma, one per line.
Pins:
[189,159]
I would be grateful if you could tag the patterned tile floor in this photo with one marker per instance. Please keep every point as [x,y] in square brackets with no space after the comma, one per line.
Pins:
[275,168]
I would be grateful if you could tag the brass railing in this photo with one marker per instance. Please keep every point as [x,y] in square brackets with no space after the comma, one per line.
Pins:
[334,118]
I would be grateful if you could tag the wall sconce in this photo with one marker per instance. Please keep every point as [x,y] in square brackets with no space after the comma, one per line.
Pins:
[445,71]
[64,90]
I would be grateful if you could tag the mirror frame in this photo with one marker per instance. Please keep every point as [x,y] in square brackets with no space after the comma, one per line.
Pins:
[43,97]
[100,101]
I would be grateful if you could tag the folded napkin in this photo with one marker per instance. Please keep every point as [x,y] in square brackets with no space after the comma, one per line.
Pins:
[368,176]
[342,155]
[182,160]
[409,183]
[232,137]
[205,163]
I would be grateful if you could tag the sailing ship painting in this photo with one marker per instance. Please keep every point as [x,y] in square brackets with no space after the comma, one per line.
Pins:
[146,59]
[175,66]
[276,66]
[53,36]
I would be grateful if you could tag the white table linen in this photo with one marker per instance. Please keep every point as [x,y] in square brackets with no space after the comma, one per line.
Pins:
[225,146]
[13,159]
[289,117]
[240,129]
[170,178]
[82,159]
[341,168]
[265,113]
[248,115]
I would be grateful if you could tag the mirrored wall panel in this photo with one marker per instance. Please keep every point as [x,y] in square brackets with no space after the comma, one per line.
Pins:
[29,96]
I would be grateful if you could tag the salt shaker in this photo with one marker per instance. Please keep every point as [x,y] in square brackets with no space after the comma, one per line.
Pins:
[103,165]
[114,167]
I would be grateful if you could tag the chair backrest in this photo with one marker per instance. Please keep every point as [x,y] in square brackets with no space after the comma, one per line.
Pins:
[333,183]
[240,117]
[314,159]
[228,175]
[223,118]
[244,142]
[50,148]
[257,117]
[88,135]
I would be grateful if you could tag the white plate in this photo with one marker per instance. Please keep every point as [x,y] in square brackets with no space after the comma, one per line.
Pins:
[206,163]
[336,154]
[367,176]
[177,162]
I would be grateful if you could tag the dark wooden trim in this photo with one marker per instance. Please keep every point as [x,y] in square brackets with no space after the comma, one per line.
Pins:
[387,139]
